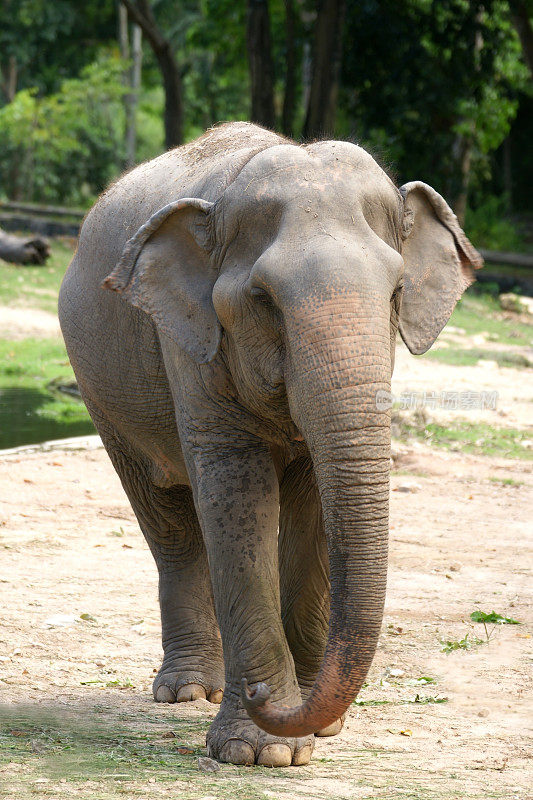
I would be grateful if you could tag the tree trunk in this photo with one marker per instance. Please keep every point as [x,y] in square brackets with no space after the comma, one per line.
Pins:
[132,81]
[522,23]
[465,141]
[507,173]
[260,62]
[322,106]
[289,98]
[23,250]
[9,79]
[141,13]
[463,149]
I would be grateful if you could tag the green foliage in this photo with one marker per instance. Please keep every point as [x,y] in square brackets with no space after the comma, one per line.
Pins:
[489,226]
[66,144]
[493,617]
[453,73]
[51,41]
[465,643]
[453,82]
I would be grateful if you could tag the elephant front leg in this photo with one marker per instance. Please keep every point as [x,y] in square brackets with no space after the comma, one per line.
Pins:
[237,499]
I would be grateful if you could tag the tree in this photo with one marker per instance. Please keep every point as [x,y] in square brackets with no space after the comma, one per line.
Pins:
[64,145]
[43,43]
[322,106]
[289,97]
[420,101]
[132,80]
[261,65]
[521,13]
[140,12]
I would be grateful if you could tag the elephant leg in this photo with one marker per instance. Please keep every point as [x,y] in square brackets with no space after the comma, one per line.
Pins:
[193,664]
[237,497]
[304,575]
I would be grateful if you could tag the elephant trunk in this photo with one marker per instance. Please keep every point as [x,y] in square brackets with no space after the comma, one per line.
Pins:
[335,373]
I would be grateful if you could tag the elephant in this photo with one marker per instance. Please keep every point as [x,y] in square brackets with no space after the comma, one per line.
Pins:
[231,315]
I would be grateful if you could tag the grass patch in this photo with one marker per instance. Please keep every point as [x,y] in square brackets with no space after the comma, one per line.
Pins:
[34,286]
[506,481]
[30,412]
[85,747]
[418,700]
[469,358]
[468,437]
[112,755]
[483,314]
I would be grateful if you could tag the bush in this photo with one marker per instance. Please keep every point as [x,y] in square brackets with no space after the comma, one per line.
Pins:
[64,147]
[489,226]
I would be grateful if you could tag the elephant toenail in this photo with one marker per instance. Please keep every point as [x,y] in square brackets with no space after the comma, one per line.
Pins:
[331,730]
[216,696]
[302,756]
[235,751]
[165,694]
[191,691]
[275,755]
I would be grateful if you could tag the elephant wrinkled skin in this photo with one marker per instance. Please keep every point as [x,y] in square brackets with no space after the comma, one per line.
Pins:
[230,315]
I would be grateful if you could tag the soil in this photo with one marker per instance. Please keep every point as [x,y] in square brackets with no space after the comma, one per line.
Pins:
[459,542]
[22,323]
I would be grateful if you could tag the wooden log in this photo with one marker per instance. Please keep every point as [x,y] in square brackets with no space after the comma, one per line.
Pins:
[23,249]
[40,210]
[513,259]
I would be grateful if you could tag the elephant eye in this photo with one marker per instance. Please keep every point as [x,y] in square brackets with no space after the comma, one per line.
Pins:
[260,294]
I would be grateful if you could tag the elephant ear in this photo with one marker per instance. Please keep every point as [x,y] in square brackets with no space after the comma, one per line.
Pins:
[165,270]
[439,262]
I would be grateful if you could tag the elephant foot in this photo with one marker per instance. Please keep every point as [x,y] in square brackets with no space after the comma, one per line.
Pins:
[333,729]
[330,730]
[173,684]
[233,738]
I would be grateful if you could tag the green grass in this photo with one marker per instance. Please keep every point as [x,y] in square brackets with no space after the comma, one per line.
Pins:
[34,286]
[467,358]
[506,481]
[471,437]
[482,314]
[31,412]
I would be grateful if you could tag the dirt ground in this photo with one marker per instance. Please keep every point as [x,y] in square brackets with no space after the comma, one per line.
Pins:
[21,323]
[460,541]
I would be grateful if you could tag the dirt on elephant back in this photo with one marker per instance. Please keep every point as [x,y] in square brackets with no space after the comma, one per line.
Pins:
[79,645]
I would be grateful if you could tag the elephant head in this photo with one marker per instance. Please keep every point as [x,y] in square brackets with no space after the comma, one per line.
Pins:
[297,279]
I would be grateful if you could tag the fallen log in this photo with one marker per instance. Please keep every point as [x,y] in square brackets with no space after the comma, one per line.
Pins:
[23,249]
[512,259]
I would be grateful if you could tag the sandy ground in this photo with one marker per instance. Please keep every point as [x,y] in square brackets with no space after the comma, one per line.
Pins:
[21,323]
[460,541]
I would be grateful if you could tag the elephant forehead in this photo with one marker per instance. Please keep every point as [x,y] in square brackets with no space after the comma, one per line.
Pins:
[297,179]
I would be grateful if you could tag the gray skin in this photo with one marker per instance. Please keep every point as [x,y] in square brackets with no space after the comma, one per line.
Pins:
[230,315]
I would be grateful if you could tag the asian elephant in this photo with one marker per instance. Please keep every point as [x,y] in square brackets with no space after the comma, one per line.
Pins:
[231,314]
